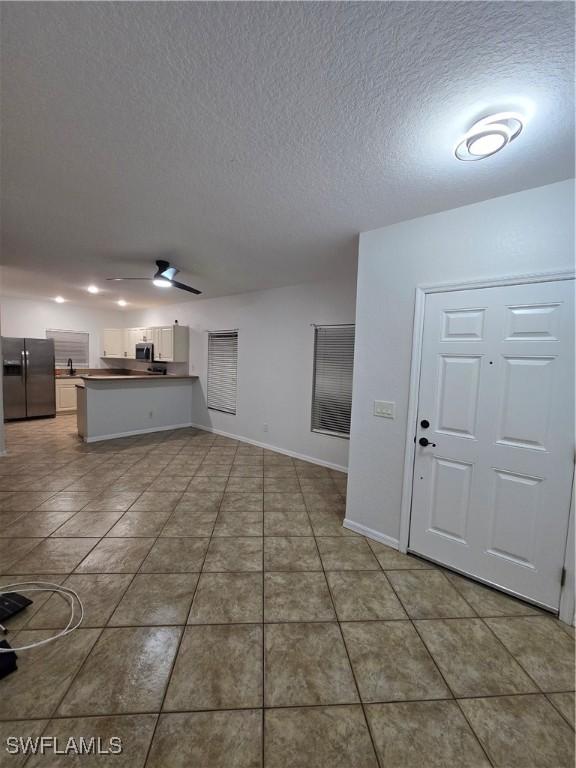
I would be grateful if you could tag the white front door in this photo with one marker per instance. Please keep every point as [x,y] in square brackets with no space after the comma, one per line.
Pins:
[491,491]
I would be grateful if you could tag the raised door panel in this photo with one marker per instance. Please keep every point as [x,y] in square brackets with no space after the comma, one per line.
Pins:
[458,386]
[113,342]
[450,499]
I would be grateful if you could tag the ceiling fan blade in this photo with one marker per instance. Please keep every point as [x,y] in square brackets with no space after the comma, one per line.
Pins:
[184,287]
[129,278]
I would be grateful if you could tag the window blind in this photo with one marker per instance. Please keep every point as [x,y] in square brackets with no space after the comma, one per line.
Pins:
[332,389]
[222,371]
[70,344]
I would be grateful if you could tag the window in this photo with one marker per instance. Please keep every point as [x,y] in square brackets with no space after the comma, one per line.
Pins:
[222,371]
[332,387]
[70,344]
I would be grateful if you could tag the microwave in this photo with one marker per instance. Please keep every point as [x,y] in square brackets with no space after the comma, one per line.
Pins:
[145,352]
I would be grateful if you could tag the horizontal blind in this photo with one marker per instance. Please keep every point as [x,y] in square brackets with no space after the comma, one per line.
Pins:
[70,344]
[333,367]
[222,371]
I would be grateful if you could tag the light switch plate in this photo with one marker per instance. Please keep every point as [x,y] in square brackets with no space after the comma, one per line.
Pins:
[384,409]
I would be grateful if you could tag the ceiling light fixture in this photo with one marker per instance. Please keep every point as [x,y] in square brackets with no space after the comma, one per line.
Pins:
[122,303]
[489,135]
[161,283]
[93,289]
[59,299]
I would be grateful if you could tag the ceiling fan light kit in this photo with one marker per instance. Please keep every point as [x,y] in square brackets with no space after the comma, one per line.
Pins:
[163,278]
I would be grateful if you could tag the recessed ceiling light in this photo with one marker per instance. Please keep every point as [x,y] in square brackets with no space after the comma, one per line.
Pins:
[489,135]
[160,283]
[93,289]
[122,303]
[59,299]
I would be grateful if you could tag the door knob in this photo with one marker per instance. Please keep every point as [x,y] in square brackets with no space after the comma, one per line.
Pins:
[424,442]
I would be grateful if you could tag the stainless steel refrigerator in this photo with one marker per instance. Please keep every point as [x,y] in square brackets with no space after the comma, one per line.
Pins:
[29,383]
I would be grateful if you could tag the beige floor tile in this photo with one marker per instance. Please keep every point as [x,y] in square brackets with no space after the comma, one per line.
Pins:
[172,484]
[325,502]
[135,732]
[156,501]
[24,501]
[346,554]
[114,555]
[126,672]
[36,524]
[427,594]
[183,523]
[208,740]
[12,550]
[43,673]
[418,734]
[137,524]
[329,523]
[245,485]
[297,597]
[543,650]
[99,593]
[156,599]
[239,523]
[292,501]
[391,663]
[217,667]
[213,470]
[19,729]
[66,502]
[323,737]
[391,560]
[286,522]
[234,554]
[207,484]
[280,471]
[307,664]
[184,555]
[112,501]
[472,660]
[241,502]
[364,596]
[564,703]
[291,553]
[54,556]
[281,484]
[225,598]
[88,524]
[487,601]
[7,518]
[23,618]
[205,501]
[521,731]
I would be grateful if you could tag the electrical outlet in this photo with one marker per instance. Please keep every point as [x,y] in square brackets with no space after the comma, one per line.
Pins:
[385,409]
[265,428]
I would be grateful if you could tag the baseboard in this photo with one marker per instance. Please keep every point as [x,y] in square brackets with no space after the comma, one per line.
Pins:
[132,433]
[370,533]
[277,449]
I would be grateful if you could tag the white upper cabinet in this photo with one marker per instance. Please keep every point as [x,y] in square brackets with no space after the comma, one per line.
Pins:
[170,342]
[113,342]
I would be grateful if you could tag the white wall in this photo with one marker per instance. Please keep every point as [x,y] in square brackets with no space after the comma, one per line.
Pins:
[531,231]
[31,317]
[275,354]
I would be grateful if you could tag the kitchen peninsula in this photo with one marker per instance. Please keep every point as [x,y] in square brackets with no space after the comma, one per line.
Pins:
[110,406]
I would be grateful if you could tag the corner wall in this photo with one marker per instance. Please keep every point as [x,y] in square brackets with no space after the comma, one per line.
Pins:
[275,360]
[530,231]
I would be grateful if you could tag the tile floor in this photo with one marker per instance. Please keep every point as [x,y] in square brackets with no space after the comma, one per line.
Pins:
[231,622]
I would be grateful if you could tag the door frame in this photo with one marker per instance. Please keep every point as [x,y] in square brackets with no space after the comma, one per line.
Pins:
[567,594]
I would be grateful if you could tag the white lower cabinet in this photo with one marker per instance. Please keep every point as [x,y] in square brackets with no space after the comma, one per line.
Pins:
[66,394]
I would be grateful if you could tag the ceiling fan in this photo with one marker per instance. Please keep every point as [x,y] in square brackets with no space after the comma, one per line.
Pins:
[163,278]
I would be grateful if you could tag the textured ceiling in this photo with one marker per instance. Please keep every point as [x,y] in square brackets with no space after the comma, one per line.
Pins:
[253,141]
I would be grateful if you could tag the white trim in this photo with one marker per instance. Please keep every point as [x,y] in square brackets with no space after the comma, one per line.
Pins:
[370,533]
[274,448]
[99,438]
[567,592]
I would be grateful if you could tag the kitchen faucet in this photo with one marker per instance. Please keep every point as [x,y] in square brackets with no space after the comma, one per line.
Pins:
[71,371]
